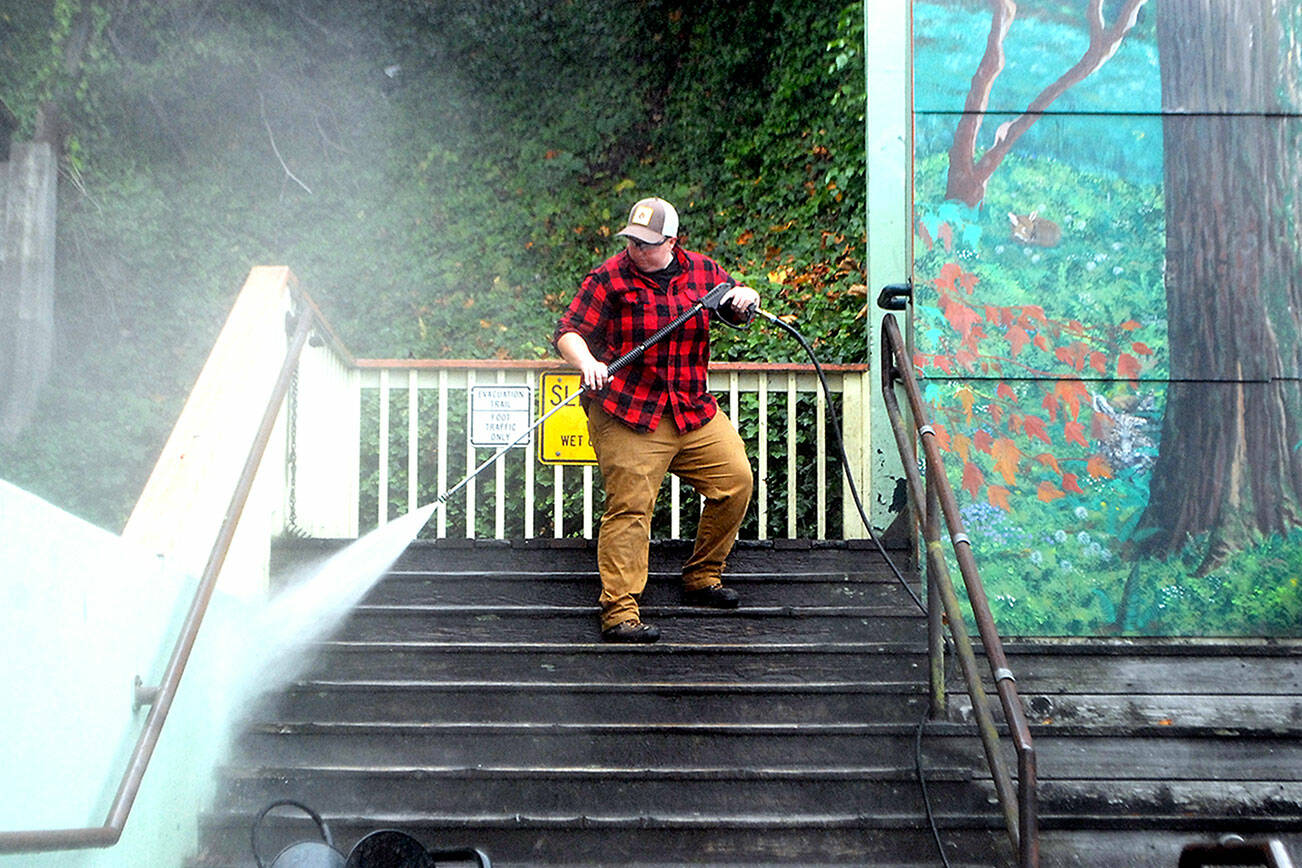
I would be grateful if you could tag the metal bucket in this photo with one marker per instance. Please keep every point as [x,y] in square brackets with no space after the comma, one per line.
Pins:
[303,854]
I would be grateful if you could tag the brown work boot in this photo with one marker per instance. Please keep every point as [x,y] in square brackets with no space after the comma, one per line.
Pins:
[631,630]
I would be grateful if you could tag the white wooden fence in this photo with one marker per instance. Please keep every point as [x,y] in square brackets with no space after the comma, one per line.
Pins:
[402,394]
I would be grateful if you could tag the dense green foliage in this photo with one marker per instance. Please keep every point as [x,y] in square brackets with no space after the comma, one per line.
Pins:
[438,175]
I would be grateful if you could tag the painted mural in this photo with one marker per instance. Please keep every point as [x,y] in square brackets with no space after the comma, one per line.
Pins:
[1108,313]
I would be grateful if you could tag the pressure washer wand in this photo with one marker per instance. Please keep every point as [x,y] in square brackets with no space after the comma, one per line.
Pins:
[443,498]
[710,300]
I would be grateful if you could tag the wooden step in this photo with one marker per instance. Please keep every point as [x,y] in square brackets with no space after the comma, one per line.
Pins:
[726,793]
[637,701]
[666,837]
[773,663]
[544,586]
[567,624]
[566,744]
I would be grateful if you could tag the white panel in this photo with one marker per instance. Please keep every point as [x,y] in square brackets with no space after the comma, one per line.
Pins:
[413,446]
[558,502]
[792,407]
[587,501]
[529,461]
[821,451]
[382,486]
[470,463]
[499,468]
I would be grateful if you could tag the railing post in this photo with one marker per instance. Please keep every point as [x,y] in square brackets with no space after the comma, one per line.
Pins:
[1020,808]
[855,393]
[935,612]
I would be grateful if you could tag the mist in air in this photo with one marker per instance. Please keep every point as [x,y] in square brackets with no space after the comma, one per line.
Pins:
[438,176]
[403,160]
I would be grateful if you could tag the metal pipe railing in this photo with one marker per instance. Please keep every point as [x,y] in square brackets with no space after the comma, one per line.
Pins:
[161,697]
[1020,807]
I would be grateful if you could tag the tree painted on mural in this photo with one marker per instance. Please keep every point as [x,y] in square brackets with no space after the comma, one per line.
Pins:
[1230,465]
[968,174]
[1053,397]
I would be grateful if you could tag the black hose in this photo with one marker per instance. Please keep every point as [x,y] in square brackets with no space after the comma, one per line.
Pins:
[858,502]
[840,449]
[922,784]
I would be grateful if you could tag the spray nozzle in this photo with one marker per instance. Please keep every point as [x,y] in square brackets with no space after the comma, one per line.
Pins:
[727,313]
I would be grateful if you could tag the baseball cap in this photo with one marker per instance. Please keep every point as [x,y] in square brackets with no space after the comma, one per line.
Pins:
[651,220]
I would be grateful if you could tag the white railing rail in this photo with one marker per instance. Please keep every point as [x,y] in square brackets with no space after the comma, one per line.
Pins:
[420,408]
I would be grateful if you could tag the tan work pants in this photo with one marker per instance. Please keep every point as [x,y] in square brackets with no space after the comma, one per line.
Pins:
[712,459]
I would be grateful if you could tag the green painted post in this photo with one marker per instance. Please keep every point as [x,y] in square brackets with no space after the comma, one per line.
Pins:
[888,130]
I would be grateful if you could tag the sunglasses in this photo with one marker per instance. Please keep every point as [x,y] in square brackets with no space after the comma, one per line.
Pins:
[645,245]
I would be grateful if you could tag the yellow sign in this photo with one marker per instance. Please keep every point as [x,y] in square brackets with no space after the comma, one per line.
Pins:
[563,439]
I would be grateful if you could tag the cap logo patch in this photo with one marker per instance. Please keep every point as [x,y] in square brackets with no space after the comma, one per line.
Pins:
[642,215]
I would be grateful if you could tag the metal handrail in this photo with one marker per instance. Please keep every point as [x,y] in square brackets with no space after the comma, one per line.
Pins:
[161,697]
[1019,807]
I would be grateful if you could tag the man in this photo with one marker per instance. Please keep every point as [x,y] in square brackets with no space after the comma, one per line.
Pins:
[656,415]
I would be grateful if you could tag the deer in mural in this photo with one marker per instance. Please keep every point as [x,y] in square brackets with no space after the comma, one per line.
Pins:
[1034,229]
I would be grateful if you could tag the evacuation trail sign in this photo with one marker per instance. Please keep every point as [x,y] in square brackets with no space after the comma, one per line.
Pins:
[498,414]
[563,439]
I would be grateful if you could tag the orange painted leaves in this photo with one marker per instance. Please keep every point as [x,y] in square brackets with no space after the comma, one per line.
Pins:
[1075,433]
[1007,456]
[942,437]
[966,398]
[1071,393]
[1049,461]
[1034,427]
[953,276]
[1098,467]
[973,479]
[1046,492]
[963,446]
[1017,338]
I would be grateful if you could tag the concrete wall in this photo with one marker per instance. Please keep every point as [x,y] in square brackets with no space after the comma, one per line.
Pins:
[82,613]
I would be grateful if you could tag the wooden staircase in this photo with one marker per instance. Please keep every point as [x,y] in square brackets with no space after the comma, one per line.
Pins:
[1145,745]
[468,702]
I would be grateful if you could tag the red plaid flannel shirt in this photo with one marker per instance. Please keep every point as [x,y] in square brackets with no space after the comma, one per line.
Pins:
[617,308]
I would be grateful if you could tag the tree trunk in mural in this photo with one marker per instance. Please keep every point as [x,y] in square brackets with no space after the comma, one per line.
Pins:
[1228,464]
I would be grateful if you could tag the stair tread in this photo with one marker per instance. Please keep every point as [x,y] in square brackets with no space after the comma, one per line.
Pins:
[672,772]
[799,728]
[855,575]
[541,610]
[630,820]
[435,645]
[605,687]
